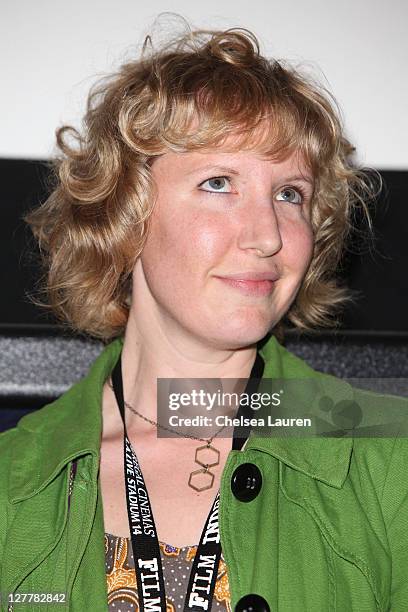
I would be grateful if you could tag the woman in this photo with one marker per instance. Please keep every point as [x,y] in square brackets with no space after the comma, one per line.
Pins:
[208,198]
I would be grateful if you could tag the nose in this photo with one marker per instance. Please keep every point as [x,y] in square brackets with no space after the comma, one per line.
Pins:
[260,230]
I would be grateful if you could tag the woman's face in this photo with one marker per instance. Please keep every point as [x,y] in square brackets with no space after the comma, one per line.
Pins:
[220,215]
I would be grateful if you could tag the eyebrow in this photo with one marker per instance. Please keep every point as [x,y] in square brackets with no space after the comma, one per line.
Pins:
[216,168]
[229,170]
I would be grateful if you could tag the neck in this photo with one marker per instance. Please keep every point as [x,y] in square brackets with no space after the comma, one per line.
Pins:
[161,352]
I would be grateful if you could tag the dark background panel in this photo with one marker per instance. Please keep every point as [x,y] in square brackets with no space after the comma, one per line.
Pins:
[380,273]
[24,185]
[377,273]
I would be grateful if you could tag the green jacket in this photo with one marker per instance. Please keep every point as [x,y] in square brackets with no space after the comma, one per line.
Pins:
[327,532]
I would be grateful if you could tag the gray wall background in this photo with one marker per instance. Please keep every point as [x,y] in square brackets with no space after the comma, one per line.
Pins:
[51,51]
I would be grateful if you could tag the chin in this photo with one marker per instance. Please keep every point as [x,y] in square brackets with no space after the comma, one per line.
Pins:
[239,334]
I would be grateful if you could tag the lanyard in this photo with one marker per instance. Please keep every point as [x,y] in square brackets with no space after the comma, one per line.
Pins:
[145,543]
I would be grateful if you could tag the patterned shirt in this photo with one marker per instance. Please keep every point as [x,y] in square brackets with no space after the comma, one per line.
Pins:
[176,563]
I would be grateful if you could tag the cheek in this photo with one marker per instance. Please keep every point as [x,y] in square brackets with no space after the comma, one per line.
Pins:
[207,239]
[184,246]
[298,246]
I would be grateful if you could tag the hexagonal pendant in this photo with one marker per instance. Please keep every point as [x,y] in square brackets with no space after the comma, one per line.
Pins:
[201,476]
[209,456]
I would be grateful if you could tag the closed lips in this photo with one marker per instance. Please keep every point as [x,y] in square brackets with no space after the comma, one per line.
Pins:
[251,276]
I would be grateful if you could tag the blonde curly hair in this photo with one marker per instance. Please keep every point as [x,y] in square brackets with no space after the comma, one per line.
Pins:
[93,226]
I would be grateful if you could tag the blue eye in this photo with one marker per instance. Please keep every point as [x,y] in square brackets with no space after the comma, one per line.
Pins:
[217,184]
[291,195]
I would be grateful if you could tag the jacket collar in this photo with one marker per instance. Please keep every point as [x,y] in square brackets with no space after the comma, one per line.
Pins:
[71,427]
[323,458]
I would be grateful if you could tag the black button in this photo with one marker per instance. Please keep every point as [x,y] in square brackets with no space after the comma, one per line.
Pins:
[246,482]
[252,603]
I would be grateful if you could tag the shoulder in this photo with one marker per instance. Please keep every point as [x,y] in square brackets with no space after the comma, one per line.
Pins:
[73,412]
[380,446]
[45,441]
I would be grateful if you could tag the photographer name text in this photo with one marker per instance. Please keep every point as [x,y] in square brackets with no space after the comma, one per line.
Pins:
[227,421]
